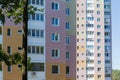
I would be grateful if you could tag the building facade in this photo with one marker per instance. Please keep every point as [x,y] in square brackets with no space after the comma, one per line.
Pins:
[67,39]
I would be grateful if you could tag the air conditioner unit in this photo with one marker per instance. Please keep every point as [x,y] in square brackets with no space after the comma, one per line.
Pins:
[33,74]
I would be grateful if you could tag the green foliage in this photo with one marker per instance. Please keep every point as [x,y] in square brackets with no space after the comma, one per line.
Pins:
[13,9]
[116,75]
[13,59]
[29,65]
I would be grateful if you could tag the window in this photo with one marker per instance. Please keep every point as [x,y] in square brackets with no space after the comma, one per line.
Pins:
[89,40]
[98,19]
[107,6]
[67,55]
[19,66]
[67,70]
[19,31]
[36,17]
[42,2]
[9,69]
[98,62]
[107,20]
[99,69]
[90,75]
[107,26]
[55,37]
[41,66]
[55,53]
[90,68]
[98,26]
[68,11]
[55,69]
[98,47]
[9,32]
[90,18]
[19,48]
[67,25]
[98,33]
[67,39]
[99,76]
[107,48]
[107,40]
[36,49]
[98,5]
[36,2]
[90,61]
[37,66]
[9,49]
[90,32]
[36,33]
[90,5]
[107,75]
[89,46]
[98,12]
[33,1]
[107,54]
[107,33]
[107,13]
[98,40]
[89,25]
[55,5]
[55,21]
[98,55]
[89,11]
[77,76]
[107,61]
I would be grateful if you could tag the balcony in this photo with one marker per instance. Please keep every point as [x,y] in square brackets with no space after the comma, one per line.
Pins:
[37,57]
[90,78]
[36,75]
[108,78]
[90,57]
[90,64]
[90,71]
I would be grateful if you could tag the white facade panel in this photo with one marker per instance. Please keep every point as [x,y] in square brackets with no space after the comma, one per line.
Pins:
[36,24]
[1,75]
[37,57]
[36,75]
[90,72]
[36,41]
[1,39]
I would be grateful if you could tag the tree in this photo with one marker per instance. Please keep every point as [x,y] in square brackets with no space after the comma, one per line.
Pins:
[14,59]
[116,75]
[17,10]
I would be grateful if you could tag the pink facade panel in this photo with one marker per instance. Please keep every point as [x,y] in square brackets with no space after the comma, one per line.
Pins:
[50,13]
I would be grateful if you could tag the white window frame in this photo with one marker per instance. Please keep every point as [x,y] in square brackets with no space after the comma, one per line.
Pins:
[58,69]
[55,53]
[10,68]
[67,25]
[58,37]
[67,40]
[53,21]
[67,11]
[10,32]
[69,55]
[54,8]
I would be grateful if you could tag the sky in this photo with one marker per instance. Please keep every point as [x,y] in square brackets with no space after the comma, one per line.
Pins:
[116,34]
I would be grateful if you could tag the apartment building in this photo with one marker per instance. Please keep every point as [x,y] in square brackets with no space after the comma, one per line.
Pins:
[67,39]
